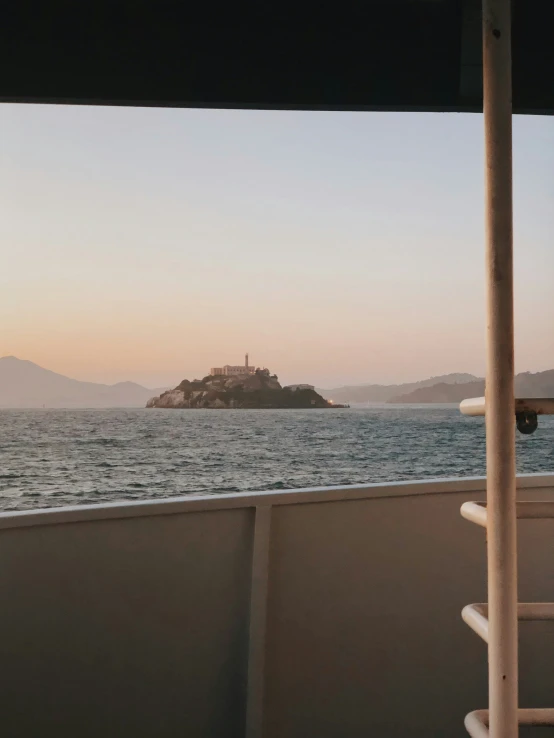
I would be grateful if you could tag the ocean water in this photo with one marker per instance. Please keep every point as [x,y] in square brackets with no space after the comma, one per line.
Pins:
[63,457]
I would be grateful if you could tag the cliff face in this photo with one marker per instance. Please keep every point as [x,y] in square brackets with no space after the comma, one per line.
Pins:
[260,390]
[171,398]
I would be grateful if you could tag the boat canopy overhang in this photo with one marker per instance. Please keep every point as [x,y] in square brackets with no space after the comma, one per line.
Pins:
[409,55]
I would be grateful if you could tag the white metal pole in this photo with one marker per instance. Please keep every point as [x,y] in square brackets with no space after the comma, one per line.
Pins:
[501,483]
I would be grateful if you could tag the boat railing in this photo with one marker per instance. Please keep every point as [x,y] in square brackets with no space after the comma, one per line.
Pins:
[300,612]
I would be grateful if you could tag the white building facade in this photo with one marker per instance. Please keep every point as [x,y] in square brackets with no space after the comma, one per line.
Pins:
[230,370]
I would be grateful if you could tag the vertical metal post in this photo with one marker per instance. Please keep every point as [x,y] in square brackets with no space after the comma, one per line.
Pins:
[501,488]
[258,618]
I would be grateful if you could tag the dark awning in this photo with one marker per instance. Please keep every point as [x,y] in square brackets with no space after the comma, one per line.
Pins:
[376,54]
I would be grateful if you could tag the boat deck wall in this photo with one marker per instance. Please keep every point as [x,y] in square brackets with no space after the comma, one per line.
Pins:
[330,612]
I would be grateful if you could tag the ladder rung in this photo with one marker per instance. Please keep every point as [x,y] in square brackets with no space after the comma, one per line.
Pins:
[477,620]
[476,615]
[476,512]
[477,722]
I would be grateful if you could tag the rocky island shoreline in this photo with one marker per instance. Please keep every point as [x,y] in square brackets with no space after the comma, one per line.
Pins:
[259,390]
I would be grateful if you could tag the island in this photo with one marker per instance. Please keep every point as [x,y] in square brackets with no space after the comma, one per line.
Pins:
[257,389]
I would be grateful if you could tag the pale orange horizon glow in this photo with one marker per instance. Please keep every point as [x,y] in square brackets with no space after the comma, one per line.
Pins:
[150,245]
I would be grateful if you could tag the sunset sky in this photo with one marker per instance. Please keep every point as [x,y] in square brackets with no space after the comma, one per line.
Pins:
[151,244]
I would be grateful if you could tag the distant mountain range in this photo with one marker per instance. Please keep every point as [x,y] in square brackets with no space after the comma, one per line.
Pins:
[442,392]
[444,389]
[27,385]
[527,384]
[365,393]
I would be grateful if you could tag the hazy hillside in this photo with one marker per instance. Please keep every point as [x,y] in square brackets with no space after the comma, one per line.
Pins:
[384,392]
[26,385]
[442,392]
[540,384]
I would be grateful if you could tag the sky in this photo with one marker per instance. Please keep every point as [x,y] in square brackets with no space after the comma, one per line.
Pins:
[336,248]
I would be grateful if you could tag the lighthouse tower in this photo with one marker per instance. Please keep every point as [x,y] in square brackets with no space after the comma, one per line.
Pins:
[246,363]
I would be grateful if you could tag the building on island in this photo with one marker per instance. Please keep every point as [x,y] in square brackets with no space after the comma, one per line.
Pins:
[233,371]
[294,387]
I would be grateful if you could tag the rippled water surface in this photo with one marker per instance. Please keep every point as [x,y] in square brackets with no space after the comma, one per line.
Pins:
[61,457]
